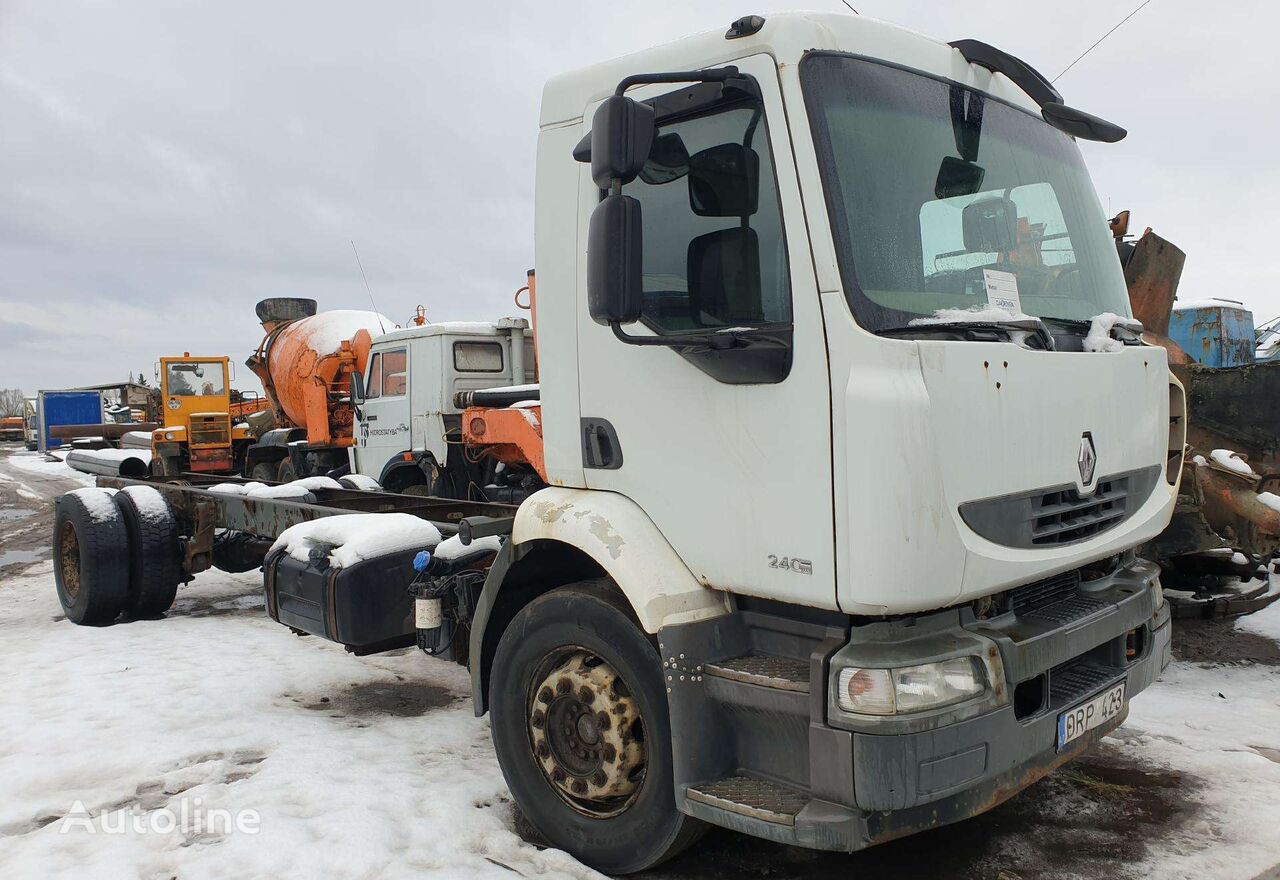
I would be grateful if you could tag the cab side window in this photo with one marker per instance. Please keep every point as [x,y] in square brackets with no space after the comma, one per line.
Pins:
[373,384]
[714,255]
[395,372]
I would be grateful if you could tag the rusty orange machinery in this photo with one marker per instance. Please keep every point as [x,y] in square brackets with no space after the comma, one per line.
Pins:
[510,434]
[305,363]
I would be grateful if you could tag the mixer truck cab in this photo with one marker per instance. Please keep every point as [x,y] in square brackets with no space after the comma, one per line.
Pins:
[407,419]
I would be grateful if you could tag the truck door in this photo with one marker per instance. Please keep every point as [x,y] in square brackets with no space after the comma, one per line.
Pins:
[384,423]
[728,452]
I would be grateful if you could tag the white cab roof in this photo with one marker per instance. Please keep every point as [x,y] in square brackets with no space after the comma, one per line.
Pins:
[786,37]
[452,328]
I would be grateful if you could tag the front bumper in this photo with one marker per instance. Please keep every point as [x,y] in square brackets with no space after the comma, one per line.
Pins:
[865,781]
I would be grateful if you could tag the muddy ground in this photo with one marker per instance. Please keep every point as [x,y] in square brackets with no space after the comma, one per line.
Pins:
[26,523]
[1092,819]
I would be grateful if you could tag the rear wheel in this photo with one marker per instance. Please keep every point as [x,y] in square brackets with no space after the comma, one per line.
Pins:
[582,733]
[264,471]
[155,551]
[286,473]
[90,556]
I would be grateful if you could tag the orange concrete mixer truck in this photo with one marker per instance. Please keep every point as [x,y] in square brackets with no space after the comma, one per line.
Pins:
[305,363]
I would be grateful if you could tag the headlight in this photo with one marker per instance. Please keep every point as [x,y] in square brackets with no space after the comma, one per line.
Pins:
[1159,590]
[911,688]
[168,435]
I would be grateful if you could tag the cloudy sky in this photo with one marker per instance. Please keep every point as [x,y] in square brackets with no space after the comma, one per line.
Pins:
[163,166]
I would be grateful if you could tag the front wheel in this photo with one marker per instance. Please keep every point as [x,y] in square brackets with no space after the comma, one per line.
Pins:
[580,725]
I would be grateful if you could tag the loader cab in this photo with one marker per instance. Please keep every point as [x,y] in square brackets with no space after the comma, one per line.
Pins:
[195,395]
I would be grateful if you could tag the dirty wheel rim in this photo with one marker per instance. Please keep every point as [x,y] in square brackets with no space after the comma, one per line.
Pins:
[586,732]
[69,560]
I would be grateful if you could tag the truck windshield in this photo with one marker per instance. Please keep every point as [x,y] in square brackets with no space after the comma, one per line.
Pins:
[196,380]
[936,191]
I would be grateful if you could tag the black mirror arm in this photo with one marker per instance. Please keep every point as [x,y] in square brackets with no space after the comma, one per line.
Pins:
[728,75]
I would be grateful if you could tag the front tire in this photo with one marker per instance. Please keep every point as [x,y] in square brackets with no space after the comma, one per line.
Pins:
[90,556]
[581,728]
[286,472]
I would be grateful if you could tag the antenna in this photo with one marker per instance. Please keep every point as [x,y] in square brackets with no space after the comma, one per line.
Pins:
[366,286]
[851,9]
[1100,39]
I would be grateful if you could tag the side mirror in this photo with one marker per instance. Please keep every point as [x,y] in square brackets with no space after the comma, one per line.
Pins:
[990,225]
[614,247]
[356,387]
[621,138]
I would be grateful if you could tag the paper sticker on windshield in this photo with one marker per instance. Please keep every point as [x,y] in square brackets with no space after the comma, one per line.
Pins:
[1002,290]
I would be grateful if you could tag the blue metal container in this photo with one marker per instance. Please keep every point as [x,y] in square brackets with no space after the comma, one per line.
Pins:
[66,408]
[1216,333]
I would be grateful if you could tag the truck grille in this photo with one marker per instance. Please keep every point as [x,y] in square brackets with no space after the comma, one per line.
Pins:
[1063,516]
[210,430]
[1057,515]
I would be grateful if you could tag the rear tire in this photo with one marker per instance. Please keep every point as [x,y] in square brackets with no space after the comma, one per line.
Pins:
[90,556]
[286,473]
[614,808]
[234,552]
[264,471]
[155,552]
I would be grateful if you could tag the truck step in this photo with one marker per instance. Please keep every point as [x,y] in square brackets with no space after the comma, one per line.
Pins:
[748,796]
[765,670]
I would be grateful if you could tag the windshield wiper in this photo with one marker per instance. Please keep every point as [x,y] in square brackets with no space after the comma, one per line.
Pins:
[719,339]
[1003,329]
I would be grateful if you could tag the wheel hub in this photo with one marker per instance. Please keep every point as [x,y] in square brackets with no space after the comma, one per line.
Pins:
[69,560]
[586,733]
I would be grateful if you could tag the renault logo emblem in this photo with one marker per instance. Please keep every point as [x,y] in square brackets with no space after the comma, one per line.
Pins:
[1087,459]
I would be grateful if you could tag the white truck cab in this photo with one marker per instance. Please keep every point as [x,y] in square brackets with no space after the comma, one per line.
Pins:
[843,408]
[407,419]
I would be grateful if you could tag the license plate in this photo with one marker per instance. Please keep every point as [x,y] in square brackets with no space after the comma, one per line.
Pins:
[1092,713]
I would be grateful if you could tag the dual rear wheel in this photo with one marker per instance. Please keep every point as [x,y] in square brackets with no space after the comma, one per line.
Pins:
[115,554]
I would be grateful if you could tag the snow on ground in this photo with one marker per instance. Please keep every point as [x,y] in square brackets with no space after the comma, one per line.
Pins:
[1220,726]
[43,469]
[354,767]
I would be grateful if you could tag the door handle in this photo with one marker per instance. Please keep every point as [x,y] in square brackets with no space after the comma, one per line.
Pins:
[600,446]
